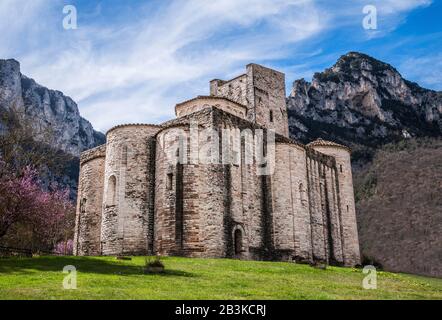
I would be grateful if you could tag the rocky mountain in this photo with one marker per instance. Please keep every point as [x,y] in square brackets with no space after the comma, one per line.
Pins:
[364,103]
[394,128]
[48,109]
[42,127]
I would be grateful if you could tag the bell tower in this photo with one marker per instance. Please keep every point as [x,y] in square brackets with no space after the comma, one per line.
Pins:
[262,91]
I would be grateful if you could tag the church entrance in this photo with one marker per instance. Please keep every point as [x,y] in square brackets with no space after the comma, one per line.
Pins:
[238,242]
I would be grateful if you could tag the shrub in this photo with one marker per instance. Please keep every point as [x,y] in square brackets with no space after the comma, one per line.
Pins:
[153,265]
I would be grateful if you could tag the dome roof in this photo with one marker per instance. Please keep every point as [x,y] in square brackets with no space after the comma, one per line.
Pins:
[325,143]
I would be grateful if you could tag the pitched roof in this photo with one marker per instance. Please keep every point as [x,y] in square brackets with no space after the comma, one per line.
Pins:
[210,97]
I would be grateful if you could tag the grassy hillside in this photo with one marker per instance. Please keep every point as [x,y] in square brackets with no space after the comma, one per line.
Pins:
[399,207]
[108,278]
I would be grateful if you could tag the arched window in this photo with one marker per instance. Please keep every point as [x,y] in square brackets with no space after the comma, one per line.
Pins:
[323,195]
[111,191]
[271,116]
[83,205]
[169,182]
[124,156]
[302,194]
[238,241]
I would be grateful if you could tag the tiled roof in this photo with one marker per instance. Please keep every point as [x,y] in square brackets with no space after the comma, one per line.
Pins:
[281,139]
[91,154]
[133,125]
[325,143]
[210,97]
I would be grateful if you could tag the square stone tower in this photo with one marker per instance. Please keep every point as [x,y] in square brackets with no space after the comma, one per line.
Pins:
[262,91]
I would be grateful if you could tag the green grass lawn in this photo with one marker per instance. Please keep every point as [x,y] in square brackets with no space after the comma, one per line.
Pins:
[108,278]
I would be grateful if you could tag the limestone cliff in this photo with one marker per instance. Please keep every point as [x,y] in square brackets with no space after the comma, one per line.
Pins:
[47,109]
[361,101]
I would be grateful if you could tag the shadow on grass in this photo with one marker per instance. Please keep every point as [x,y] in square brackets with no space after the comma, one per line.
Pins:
[83,265]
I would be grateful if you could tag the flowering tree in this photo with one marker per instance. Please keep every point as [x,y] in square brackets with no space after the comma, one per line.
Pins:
[23,200]
[19,198]
[54,221]
[64,248]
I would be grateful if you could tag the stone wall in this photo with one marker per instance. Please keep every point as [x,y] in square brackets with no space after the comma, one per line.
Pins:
[181,186]
[317,221]
[247,195]
[203,102]
[342,174]
[267,98]
[126,190]
[283,201]
[306,216]
[217,202]
[301,202]
[262,90]
[291,215]
[89,203]
[235,89]
[177,216]
[325,214]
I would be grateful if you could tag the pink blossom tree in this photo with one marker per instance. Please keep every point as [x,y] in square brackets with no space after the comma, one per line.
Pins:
[23,200]
[19,198]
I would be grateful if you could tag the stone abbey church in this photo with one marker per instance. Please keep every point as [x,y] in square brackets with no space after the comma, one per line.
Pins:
[133,200]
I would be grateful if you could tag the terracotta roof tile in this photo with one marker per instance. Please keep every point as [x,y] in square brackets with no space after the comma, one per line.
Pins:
[325,143]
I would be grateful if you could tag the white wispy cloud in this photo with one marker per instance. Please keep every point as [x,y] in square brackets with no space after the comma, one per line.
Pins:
[135,68]
[412,68]
[349,13]
[397,6]
[20,25]
[133,72]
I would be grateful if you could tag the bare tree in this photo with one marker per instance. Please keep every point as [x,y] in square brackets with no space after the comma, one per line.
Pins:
[24,143]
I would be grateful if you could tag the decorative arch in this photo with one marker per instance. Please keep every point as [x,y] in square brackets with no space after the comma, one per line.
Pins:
[111,191]
[302,194]
[83,202]
[239,240]
[124,155]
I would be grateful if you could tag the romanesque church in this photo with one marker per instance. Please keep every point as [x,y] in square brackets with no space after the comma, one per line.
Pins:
[167,189]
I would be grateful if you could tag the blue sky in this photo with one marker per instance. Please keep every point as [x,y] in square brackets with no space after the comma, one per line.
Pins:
[132,61]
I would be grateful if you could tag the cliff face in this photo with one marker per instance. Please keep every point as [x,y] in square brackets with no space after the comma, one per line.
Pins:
[362,101]
[48,109]
[42,127]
